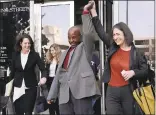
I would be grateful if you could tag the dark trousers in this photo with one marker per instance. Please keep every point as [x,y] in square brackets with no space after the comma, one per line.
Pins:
[2,92]
[54,107]
[97,107]
[25,104]
[119,100]
[77,106]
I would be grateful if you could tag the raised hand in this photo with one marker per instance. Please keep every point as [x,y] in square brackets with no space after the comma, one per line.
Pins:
[93,8]
[93,3]
[89,5]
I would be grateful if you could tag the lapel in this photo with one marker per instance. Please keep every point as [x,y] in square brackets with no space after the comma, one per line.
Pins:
[48,66]
[71,55]
[29,59]
[19,58]
[131,60]
[63,58]
[112,50]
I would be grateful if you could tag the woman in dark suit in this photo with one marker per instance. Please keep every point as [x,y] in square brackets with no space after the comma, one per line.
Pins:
[122,68]
[52,60]
[24,61]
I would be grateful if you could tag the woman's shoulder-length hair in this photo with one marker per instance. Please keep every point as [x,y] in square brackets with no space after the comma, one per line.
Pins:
[126,31]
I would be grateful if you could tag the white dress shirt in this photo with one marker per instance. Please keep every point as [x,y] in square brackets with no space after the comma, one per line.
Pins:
[52,68]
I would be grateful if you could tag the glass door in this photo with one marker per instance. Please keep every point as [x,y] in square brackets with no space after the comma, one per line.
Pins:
[52,21]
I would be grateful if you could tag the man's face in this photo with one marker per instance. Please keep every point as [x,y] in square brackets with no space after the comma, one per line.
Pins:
[74,36]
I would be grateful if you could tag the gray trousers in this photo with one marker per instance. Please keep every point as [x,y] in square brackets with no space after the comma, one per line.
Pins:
[119,101]
[74,106]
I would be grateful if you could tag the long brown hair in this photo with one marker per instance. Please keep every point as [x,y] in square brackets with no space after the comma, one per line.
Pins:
[19,39]
[49,56]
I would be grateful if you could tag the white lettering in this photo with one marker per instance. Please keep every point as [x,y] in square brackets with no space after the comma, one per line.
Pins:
[14,9]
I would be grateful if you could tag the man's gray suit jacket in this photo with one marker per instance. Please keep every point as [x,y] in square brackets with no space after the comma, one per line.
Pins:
[79,77]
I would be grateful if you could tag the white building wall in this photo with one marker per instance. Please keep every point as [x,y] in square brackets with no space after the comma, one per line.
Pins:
[139,15]
[122,11]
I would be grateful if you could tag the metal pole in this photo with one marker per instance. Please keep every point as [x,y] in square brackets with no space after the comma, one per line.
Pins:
[31,19]
[102,52]
[127,12]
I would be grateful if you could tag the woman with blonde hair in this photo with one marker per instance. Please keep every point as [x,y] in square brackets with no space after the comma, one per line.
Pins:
[52,60]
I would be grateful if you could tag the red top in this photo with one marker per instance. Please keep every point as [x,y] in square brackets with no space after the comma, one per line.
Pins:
[119,62]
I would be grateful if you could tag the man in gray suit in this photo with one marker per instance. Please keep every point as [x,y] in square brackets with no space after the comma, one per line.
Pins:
[74,83]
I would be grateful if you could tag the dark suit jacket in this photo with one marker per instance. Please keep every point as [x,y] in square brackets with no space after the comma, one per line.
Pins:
[139,67]
[28,73]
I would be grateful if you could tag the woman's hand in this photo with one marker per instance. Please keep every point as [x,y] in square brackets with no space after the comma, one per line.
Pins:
[42,81]
[127,74]
[93,4]
[88,6]
[93,9]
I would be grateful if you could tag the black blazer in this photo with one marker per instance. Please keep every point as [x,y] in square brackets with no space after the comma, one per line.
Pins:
[139,66]
[28,73]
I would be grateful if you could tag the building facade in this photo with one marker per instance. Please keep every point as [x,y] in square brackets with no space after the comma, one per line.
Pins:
[139,15]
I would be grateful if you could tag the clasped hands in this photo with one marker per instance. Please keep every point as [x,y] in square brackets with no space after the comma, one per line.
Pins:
[42,81]
[90,6]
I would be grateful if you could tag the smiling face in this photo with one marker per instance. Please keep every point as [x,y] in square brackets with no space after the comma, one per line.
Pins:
[74,36]
[118,37]
[25,45]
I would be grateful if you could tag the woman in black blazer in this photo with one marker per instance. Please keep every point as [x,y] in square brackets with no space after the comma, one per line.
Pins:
[52,60]
[24,61]
[121,67]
